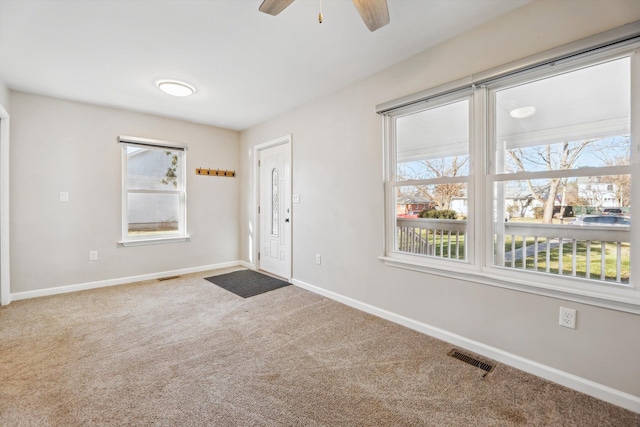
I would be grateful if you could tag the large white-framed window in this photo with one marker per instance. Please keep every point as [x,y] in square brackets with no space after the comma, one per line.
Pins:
[552,185]
[429,181]
[153,191]
[560,151]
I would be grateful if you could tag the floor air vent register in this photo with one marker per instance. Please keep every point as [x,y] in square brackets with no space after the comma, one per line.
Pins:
[466,358]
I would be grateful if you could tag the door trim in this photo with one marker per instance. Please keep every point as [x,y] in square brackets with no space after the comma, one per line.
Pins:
[256,198]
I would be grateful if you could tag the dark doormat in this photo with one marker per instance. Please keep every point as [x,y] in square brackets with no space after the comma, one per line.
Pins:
[247,283]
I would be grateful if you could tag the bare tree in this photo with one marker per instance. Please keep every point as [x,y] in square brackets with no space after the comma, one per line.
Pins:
[550,157]
[621,183]
[442,194]
[594,195]
[616,152]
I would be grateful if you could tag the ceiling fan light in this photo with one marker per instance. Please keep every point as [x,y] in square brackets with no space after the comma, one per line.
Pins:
[175,87]
[523,112]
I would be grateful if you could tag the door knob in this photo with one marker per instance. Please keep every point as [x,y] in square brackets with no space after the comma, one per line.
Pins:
[286,220]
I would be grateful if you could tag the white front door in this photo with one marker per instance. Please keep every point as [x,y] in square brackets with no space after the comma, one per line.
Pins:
[275,210]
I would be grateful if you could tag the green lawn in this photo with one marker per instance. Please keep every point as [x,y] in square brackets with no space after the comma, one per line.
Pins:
[441,249]
[581,260]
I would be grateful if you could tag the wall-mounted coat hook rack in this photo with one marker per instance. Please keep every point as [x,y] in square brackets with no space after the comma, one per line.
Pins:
[215,172]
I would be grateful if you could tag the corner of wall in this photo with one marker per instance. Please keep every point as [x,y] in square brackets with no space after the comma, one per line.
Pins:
[4,96]
[5,296]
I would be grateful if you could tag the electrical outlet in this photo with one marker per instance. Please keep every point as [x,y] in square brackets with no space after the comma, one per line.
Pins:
[318,259]
[64,196]
[93,255]
[567,317]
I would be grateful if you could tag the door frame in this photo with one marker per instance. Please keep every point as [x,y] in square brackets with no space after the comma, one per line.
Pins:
[256,199]
[5,289]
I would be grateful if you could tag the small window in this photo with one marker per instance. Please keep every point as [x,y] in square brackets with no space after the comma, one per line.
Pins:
[154,191]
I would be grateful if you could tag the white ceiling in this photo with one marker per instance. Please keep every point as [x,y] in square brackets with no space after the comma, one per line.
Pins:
[247,66]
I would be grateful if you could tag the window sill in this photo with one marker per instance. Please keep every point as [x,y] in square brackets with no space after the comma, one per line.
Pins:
[620,298]
[154,241]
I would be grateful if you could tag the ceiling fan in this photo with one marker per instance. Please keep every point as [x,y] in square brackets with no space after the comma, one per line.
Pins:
[374,13]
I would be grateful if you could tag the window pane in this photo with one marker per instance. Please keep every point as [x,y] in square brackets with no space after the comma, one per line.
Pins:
[435,199]
[573,226]
[153,168]
[153,213]
[431,220]
[572,120]
[565,197]
[434,168]
[433,143]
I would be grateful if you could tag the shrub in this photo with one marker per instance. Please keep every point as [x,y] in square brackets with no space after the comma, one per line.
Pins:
[538,212]
[436,214]
[513,210]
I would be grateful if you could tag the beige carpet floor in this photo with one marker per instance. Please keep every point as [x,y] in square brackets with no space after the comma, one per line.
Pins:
[184,352]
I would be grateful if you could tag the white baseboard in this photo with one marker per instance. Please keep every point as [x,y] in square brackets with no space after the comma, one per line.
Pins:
[591,388]
[119,281]
[247,265]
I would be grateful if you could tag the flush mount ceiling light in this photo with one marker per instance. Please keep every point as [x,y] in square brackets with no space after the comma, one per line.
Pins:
[523,112]
[175,87]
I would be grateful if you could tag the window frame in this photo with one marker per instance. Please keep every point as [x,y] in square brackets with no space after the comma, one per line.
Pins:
[392,182]
[479,266]
[157,238]
[491,176]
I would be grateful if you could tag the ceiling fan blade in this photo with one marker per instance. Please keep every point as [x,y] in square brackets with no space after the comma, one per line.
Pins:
[274,7]
[374,13]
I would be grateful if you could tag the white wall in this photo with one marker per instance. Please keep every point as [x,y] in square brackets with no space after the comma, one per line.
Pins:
[337,170]
[66,146]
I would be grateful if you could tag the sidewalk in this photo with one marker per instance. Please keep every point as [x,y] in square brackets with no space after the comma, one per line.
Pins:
[530,250]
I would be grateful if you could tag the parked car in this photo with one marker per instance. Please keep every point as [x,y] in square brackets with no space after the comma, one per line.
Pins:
[601,220]
[611,211]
